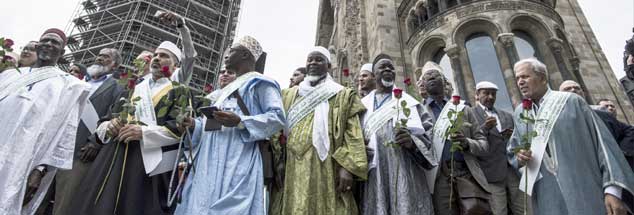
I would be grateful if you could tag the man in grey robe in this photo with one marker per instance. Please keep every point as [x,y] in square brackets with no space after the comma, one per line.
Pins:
[396,180]
[574,164]
[622,132]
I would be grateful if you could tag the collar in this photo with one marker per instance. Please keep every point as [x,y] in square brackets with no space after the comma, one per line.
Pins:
[539,104]
[153,82]
[485,108]
[305,88]
[430,99]
[103,78]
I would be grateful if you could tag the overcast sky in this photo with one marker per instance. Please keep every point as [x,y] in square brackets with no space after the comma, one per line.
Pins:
[286,28]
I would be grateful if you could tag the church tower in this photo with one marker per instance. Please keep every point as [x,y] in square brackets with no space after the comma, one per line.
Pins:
[472,40]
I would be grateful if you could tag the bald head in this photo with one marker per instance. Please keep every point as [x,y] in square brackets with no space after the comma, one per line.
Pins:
[572,87]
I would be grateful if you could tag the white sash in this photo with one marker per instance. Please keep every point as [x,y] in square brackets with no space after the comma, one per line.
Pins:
[233,86]
[19,81]
[374,120]
[438,139]
[144,108]
[547,116]
[154,159]
[306,104]
[90,117]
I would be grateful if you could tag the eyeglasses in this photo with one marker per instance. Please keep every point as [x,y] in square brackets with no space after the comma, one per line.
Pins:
[28,48]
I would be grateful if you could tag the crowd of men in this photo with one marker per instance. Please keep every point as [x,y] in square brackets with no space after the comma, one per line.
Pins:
[92,140]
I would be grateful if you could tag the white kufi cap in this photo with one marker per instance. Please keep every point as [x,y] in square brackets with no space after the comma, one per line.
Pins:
[367,67]
[321,50]
[171,47]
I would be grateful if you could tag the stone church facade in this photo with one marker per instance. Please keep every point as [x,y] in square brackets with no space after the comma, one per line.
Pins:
[472,40]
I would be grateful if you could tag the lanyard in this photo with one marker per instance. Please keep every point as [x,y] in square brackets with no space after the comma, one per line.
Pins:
[377,106]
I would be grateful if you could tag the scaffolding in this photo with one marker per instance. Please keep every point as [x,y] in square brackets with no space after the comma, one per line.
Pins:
[130,27]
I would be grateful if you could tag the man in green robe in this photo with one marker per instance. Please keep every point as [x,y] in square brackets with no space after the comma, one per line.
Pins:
[325,147]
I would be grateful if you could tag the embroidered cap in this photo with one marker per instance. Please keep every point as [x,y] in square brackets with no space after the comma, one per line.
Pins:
[251,44]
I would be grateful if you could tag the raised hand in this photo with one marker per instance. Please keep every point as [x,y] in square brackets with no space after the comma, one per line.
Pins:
[172,19]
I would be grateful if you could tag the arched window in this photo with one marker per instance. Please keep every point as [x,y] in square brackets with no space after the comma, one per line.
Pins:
[452,3]
[443,61]
[486,67]
[526,46]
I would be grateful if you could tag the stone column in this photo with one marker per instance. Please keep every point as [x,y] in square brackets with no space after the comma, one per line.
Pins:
[556,47]
[442,5]
[574,63]
[508,43]
[453,52]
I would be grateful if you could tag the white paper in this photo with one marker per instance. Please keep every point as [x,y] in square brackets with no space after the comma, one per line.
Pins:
[90,117]
[538,148]
[166,164]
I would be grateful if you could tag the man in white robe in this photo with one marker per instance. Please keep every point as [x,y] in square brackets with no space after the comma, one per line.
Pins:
[574,164]
[40,109]
[396,180]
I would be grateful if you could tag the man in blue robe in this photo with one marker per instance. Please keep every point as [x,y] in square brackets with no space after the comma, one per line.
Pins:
[227,177]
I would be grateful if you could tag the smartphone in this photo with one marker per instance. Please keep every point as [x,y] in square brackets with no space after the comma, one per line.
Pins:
[211,124]
[158,13]
[208,111]
[507,131]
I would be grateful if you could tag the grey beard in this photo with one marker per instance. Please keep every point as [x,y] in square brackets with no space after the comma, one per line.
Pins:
[96,70]
[156,72]
[387,83]
[313,78]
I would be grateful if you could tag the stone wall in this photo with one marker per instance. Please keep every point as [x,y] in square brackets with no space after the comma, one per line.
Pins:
[598,76]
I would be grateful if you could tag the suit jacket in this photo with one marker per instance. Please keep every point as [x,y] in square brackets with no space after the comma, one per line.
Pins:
[623,133]
[102,100]
[494,164]
[628,86]
[476,141]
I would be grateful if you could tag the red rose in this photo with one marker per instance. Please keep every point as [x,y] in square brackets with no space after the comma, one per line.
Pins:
[123,76]
[455,100]
[408,82]
[131,83]
[282,139]
[166,72]
[346,72]
[527,104]
[398,93]
[80,76]
[208,88]
[7,43]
